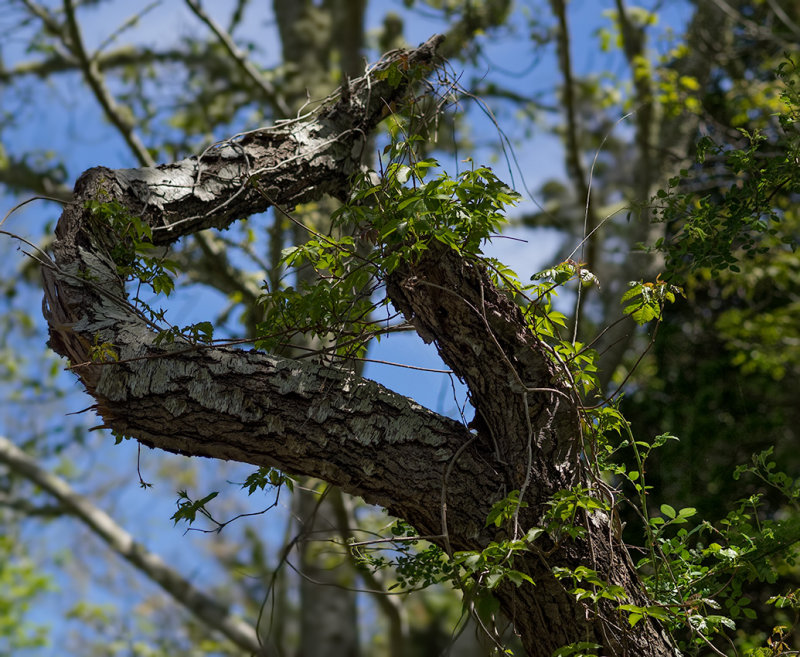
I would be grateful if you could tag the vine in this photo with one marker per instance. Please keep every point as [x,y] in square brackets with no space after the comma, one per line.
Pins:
[694,572]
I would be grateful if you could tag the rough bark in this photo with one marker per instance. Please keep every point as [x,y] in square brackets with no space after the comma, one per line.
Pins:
[529,429]
[328,423]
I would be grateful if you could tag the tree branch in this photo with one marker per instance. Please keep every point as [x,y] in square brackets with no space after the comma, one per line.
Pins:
[207,609]
[328,423]
[117,58]
[241,60]
[28,508]
[21,178]
[97,84]
[229,404]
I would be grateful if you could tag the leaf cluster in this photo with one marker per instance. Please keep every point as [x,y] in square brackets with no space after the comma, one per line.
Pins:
[389,219]
[128,239]
[717,229]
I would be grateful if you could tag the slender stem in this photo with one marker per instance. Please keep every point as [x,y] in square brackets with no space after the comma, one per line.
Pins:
[575,165]
[96,82]
[241,59]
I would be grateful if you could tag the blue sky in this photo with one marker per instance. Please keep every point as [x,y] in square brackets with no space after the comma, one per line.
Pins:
[59,117]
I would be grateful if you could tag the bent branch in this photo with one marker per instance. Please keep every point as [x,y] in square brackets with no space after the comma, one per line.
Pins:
[248,406]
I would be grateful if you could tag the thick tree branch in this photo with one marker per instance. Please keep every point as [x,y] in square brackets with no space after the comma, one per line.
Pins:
[207,609]
[328,423]
[228,404]
[291,163]
[527,420]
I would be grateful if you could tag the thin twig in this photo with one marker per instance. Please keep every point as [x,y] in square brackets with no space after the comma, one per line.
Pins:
[241,59]
[96,81]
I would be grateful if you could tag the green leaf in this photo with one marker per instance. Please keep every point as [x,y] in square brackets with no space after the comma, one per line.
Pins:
[518,578]
[668,511]
[533,533]
[403,173]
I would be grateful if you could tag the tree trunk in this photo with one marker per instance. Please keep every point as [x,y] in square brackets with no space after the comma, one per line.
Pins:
[309,33]
[328,617]
[329,423]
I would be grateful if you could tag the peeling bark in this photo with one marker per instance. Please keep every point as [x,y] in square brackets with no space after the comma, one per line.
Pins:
[314,420]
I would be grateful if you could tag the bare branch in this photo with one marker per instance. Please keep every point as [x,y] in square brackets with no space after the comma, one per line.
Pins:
[19,177]
[96,82]
[118,58]
[206,608]
[28,508]
[241,59]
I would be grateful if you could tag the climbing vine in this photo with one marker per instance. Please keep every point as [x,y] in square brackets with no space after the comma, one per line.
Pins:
[695,572]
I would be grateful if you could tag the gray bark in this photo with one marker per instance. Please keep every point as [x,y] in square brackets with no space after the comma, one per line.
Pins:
[328,423]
